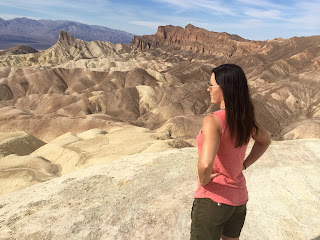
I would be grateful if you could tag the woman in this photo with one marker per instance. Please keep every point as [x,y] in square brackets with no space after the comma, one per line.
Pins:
[219,208]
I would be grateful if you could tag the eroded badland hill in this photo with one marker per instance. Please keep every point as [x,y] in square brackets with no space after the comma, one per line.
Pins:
[159,82]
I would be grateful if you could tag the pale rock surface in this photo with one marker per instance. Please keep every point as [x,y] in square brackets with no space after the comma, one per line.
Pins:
[182,126]
[18,172]
[17,168]
[70,152]
[302,129]
[50,127]
[97,146]
[149,196]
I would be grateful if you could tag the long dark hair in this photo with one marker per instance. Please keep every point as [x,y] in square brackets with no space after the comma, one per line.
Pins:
[238,105]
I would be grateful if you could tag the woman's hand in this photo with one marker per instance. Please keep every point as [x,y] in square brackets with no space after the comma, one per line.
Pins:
[212,176]
[262,141]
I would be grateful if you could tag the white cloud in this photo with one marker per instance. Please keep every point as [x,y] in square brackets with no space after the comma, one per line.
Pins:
[308,16]
[215,7]
[147,24]
[46,7]
[264,14]
[246,25]
[26,5]
[182,21]
[263,4]
[171,21]
[179,3]
[310,5]
[307,22]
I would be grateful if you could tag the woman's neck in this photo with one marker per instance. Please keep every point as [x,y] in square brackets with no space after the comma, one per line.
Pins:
[222,105]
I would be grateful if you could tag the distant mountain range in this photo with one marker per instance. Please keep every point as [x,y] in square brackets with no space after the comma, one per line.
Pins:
[42,34]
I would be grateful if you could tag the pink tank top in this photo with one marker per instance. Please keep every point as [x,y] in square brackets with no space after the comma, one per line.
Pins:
[230,186]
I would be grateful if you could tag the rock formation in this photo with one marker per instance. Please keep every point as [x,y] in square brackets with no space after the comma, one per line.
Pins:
[199,41]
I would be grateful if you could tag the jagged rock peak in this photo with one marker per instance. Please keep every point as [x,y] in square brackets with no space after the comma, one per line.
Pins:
[190,26]
[163,31]
[192,32]
[66,37]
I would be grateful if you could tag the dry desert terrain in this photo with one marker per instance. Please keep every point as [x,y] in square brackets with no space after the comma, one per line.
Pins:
[97,140]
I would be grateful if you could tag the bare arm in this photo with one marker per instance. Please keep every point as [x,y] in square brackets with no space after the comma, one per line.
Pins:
[262,142]
[211,131]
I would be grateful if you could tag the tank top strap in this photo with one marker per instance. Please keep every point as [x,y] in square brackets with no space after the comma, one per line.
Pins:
[221,114]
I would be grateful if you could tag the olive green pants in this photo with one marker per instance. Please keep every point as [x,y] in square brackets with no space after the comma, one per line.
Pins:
[210,220]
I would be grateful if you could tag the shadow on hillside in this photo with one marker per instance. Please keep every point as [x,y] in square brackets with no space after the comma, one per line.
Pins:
[316,238]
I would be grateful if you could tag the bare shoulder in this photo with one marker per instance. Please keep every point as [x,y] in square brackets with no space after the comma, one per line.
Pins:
[211,123]
[262,135]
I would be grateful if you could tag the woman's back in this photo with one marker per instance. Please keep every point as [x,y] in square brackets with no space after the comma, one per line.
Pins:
[230,186]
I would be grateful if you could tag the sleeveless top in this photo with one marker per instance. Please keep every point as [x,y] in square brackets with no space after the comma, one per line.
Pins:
[230,186]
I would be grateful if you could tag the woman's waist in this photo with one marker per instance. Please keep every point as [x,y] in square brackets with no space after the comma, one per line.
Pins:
[223,193]
[237,181]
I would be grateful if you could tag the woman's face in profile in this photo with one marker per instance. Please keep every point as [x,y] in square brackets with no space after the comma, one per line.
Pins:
[215,91]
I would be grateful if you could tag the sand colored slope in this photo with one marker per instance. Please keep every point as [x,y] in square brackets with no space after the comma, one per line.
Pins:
[149,196]
[97,146]
[284,192]
[18,172]
[302,129]
[70,152]
[50,127]
[17,168]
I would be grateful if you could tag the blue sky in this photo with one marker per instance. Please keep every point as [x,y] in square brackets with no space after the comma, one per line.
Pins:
[251,19]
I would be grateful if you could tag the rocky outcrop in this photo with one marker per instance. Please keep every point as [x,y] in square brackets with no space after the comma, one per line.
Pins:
[197,40]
